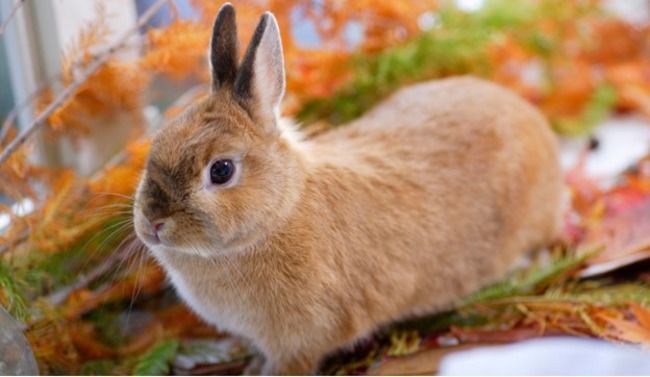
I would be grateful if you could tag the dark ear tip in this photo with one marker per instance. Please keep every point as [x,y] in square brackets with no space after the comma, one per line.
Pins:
[269,20]
[227,9]
[225,19]
[227,5]
[223,47]
[266,17]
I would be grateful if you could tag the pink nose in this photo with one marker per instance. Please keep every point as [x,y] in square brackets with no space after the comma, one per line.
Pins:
[157,226]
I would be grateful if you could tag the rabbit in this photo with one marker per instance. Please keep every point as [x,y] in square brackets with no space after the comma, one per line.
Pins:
[306,246]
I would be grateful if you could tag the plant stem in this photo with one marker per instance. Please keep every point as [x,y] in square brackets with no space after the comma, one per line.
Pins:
[12,13]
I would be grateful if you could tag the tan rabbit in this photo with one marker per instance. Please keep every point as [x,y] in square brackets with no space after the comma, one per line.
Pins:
[306,246]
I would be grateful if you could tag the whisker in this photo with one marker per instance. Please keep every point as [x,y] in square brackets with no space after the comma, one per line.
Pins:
[137,287]
[115,205]
[115,194]
[135,242]
[116,229]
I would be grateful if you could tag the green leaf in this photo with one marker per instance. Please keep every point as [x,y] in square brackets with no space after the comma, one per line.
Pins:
[157,360]
[97,368]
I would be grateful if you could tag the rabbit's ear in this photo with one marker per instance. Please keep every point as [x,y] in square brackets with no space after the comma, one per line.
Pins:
[223,48]
[260,80]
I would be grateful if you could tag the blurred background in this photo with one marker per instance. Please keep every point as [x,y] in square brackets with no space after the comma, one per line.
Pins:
[85,83]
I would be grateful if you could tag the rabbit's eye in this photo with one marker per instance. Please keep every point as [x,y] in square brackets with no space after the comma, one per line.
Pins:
[221,171]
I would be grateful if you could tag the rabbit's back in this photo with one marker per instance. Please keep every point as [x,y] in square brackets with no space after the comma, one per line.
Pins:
[441,187]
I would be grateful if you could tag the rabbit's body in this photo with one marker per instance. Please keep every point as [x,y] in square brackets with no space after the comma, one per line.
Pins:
[397,216]
[315,244]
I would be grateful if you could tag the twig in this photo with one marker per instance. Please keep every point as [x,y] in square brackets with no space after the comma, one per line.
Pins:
[61,294]
[20,239]
[15,112]
[12,13]
[72,88]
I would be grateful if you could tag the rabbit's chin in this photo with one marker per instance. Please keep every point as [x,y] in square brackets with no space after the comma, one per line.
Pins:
[212,250]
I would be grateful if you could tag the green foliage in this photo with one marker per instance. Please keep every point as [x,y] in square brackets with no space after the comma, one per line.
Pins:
[44,272]
[455,47]
[157,360]
[534,280]
[97,368]
[618,294]
[12,291]
[105,319]
[458,44]
[442,321]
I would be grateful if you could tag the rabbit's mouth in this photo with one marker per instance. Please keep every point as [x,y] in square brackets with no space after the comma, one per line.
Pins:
[159,233]
[150,239]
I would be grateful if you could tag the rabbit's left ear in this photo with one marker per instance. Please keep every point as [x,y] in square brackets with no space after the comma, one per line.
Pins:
[260,79]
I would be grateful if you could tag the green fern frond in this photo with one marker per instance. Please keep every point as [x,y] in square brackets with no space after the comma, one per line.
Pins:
[535,280]
[157,360]
[619,294]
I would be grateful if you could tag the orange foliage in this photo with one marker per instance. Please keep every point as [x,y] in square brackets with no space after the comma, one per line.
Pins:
[148,279]
[177,50]
[574,84]
[385,22]
[116,86]
[16,172]
[122,178]
[634,328]
[74,207]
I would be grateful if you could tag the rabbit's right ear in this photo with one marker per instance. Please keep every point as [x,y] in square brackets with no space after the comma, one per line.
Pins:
[260,80]
[223,48]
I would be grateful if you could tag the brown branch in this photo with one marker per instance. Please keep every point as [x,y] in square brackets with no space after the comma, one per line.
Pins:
[70,90]
[12,13]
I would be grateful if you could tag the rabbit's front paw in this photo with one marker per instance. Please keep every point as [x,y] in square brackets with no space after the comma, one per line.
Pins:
[255,367]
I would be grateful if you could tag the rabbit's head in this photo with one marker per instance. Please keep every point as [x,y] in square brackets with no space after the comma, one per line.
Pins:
[222,175]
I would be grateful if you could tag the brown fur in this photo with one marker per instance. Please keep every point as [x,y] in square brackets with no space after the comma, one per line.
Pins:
[430,196]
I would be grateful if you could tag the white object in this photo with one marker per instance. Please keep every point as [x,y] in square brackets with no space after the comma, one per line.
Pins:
[550,356]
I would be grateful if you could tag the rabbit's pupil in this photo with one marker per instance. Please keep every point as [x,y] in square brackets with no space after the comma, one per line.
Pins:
[221,171]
